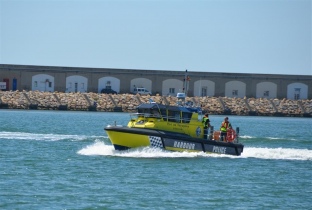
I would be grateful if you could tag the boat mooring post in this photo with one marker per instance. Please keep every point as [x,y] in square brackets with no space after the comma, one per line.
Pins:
[237,133]
[211,133]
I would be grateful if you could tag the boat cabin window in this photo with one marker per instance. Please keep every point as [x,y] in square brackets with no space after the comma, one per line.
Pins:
[186,117]
[155,113]
[143,111]
[149,113]
[164,114]
[173,116]
[177,116]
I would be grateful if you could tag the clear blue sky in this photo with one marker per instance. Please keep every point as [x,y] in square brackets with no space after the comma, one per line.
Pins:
[236,36]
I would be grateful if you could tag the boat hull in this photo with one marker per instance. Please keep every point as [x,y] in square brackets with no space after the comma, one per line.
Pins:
[125,138]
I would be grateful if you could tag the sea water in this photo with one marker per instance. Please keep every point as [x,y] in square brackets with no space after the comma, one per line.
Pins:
[64,160]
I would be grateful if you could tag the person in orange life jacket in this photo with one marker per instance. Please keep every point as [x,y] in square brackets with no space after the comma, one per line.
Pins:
[224,128]
[206,124]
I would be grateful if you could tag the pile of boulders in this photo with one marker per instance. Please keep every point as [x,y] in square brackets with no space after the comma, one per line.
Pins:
[45,100]
[211,105]
[129,102]
[14,99]
[237,105]
[261,105]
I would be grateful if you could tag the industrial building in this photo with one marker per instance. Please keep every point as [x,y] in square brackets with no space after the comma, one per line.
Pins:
[165,83]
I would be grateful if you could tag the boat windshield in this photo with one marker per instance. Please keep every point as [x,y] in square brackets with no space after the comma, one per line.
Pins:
[146,113]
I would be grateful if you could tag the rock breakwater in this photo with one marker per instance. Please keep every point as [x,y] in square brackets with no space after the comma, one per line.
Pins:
[129,102]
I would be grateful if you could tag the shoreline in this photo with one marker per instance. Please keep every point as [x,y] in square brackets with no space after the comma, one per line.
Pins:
[37,100]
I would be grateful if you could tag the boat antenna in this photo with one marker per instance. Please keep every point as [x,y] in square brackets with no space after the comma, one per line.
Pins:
[185,83]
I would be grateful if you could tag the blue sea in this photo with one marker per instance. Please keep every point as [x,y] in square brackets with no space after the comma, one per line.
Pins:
[64,160]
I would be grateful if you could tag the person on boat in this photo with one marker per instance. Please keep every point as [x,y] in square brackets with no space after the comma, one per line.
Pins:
[224,128]
[206,124]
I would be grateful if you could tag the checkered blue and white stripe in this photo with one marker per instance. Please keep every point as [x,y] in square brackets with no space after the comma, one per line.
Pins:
[155,141]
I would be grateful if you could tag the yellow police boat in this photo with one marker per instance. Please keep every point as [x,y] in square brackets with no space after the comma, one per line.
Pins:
[175,128]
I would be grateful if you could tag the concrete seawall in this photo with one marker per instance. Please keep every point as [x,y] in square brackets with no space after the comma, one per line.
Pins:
[129,102]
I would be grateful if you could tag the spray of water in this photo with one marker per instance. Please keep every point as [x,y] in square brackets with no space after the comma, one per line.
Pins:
[100,148]
[43,137]
[106,149]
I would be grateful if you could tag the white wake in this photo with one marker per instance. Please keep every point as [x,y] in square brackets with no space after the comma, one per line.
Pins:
[277,153]
[100,148]
[43,137]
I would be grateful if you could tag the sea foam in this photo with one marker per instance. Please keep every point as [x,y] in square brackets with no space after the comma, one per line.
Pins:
[100,148]
[44,137]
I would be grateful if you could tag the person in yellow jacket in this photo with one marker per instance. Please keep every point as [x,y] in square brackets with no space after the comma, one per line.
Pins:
[224,128]
[206,124]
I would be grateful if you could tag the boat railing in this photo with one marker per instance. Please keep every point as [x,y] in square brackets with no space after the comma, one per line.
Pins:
[231,136]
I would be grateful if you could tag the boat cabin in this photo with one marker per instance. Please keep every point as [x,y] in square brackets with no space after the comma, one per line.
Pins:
[168,113]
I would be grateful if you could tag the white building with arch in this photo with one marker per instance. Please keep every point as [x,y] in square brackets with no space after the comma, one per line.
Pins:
[204,88]
[235,89]
[42,82]
[109,83]
[266,90]
[297,91]
[76,83]
[141,83]
[171,87]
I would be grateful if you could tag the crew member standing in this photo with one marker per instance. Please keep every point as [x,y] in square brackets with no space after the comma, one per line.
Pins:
[224,128]
[206,123]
